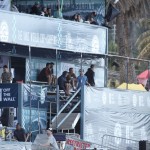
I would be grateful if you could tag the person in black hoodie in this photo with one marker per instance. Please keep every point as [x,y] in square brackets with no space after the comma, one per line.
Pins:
[90,75]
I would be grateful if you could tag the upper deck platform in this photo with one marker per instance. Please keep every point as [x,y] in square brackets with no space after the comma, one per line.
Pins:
[51,33]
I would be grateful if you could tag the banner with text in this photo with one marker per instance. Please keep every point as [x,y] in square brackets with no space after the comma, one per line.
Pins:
[9,95]
[118,113]
[82,7]
[59,34]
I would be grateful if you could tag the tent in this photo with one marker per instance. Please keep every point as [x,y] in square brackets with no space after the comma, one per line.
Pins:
[143,77]
[137,87]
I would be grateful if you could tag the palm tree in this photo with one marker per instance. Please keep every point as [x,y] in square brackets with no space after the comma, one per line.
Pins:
[131,11]
[143,41]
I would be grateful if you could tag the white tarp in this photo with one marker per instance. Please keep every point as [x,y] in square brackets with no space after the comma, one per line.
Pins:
[15,145]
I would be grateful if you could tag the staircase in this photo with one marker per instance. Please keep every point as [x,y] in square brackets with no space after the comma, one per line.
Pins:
[68,113]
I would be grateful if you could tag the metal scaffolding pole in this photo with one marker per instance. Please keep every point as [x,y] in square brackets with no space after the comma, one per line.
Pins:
[57,90]
[30,120]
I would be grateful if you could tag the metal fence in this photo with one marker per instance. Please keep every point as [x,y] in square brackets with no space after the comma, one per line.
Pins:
[119,143]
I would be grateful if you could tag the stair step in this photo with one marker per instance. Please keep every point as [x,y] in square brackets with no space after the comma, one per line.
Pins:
[68,124]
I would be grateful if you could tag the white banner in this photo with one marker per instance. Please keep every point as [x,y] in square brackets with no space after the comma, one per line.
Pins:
[5,4]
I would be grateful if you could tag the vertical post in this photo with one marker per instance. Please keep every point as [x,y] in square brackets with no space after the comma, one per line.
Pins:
[127,73]
[148,75]
[57,90]
[82,113]
[106,71]
[81,61]
[30,123]
[39,115]
[50,115]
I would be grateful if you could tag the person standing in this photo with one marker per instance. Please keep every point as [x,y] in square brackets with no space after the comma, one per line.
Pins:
[90,75]
[51,141]
[58,12]
[82,79]
[6,76]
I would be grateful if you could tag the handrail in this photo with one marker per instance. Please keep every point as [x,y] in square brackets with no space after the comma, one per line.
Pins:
[106,136]
[118,137]
[68,114]
[66,104]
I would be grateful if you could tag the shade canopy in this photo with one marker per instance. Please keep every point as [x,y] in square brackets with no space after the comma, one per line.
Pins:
[144,75]
[137,87]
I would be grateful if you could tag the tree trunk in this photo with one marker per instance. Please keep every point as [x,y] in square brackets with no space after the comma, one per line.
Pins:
[121,45]
[127,73]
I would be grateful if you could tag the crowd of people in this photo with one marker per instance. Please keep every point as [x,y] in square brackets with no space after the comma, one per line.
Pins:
[68,81]
[20,135]
[36,9]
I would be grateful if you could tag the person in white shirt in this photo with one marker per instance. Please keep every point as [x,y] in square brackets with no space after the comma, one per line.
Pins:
[51,141]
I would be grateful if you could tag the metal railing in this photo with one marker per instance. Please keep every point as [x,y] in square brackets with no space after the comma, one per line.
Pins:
[119,143]
[68,101]
[65,106]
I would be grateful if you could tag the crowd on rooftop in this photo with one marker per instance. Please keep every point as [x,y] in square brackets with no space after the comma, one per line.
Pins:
[37,9]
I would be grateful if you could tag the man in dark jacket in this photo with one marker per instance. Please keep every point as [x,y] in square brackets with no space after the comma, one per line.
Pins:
[19,133]
[90,75]
[35,10]
[62,82]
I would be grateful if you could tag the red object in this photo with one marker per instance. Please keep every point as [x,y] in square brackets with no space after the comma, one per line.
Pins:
[144,75]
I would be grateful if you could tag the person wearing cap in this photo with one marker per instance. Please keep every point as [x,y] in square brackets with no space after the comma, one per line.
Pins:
[6,76]
[82,79]
[51,141]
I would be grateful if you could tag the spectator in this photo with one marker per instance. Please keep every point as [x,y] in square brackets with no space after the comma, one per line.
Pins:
[81,79]
[49,11]
[63,83]
[90,75]
[51,142]
[19,133]
[79,18]
[6,76]
[68,85]
[36,9]
[72,77]
[75,17]
[53,77]
[44,12]
[91,15]
[92,21]
[58,12]
[46,74]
